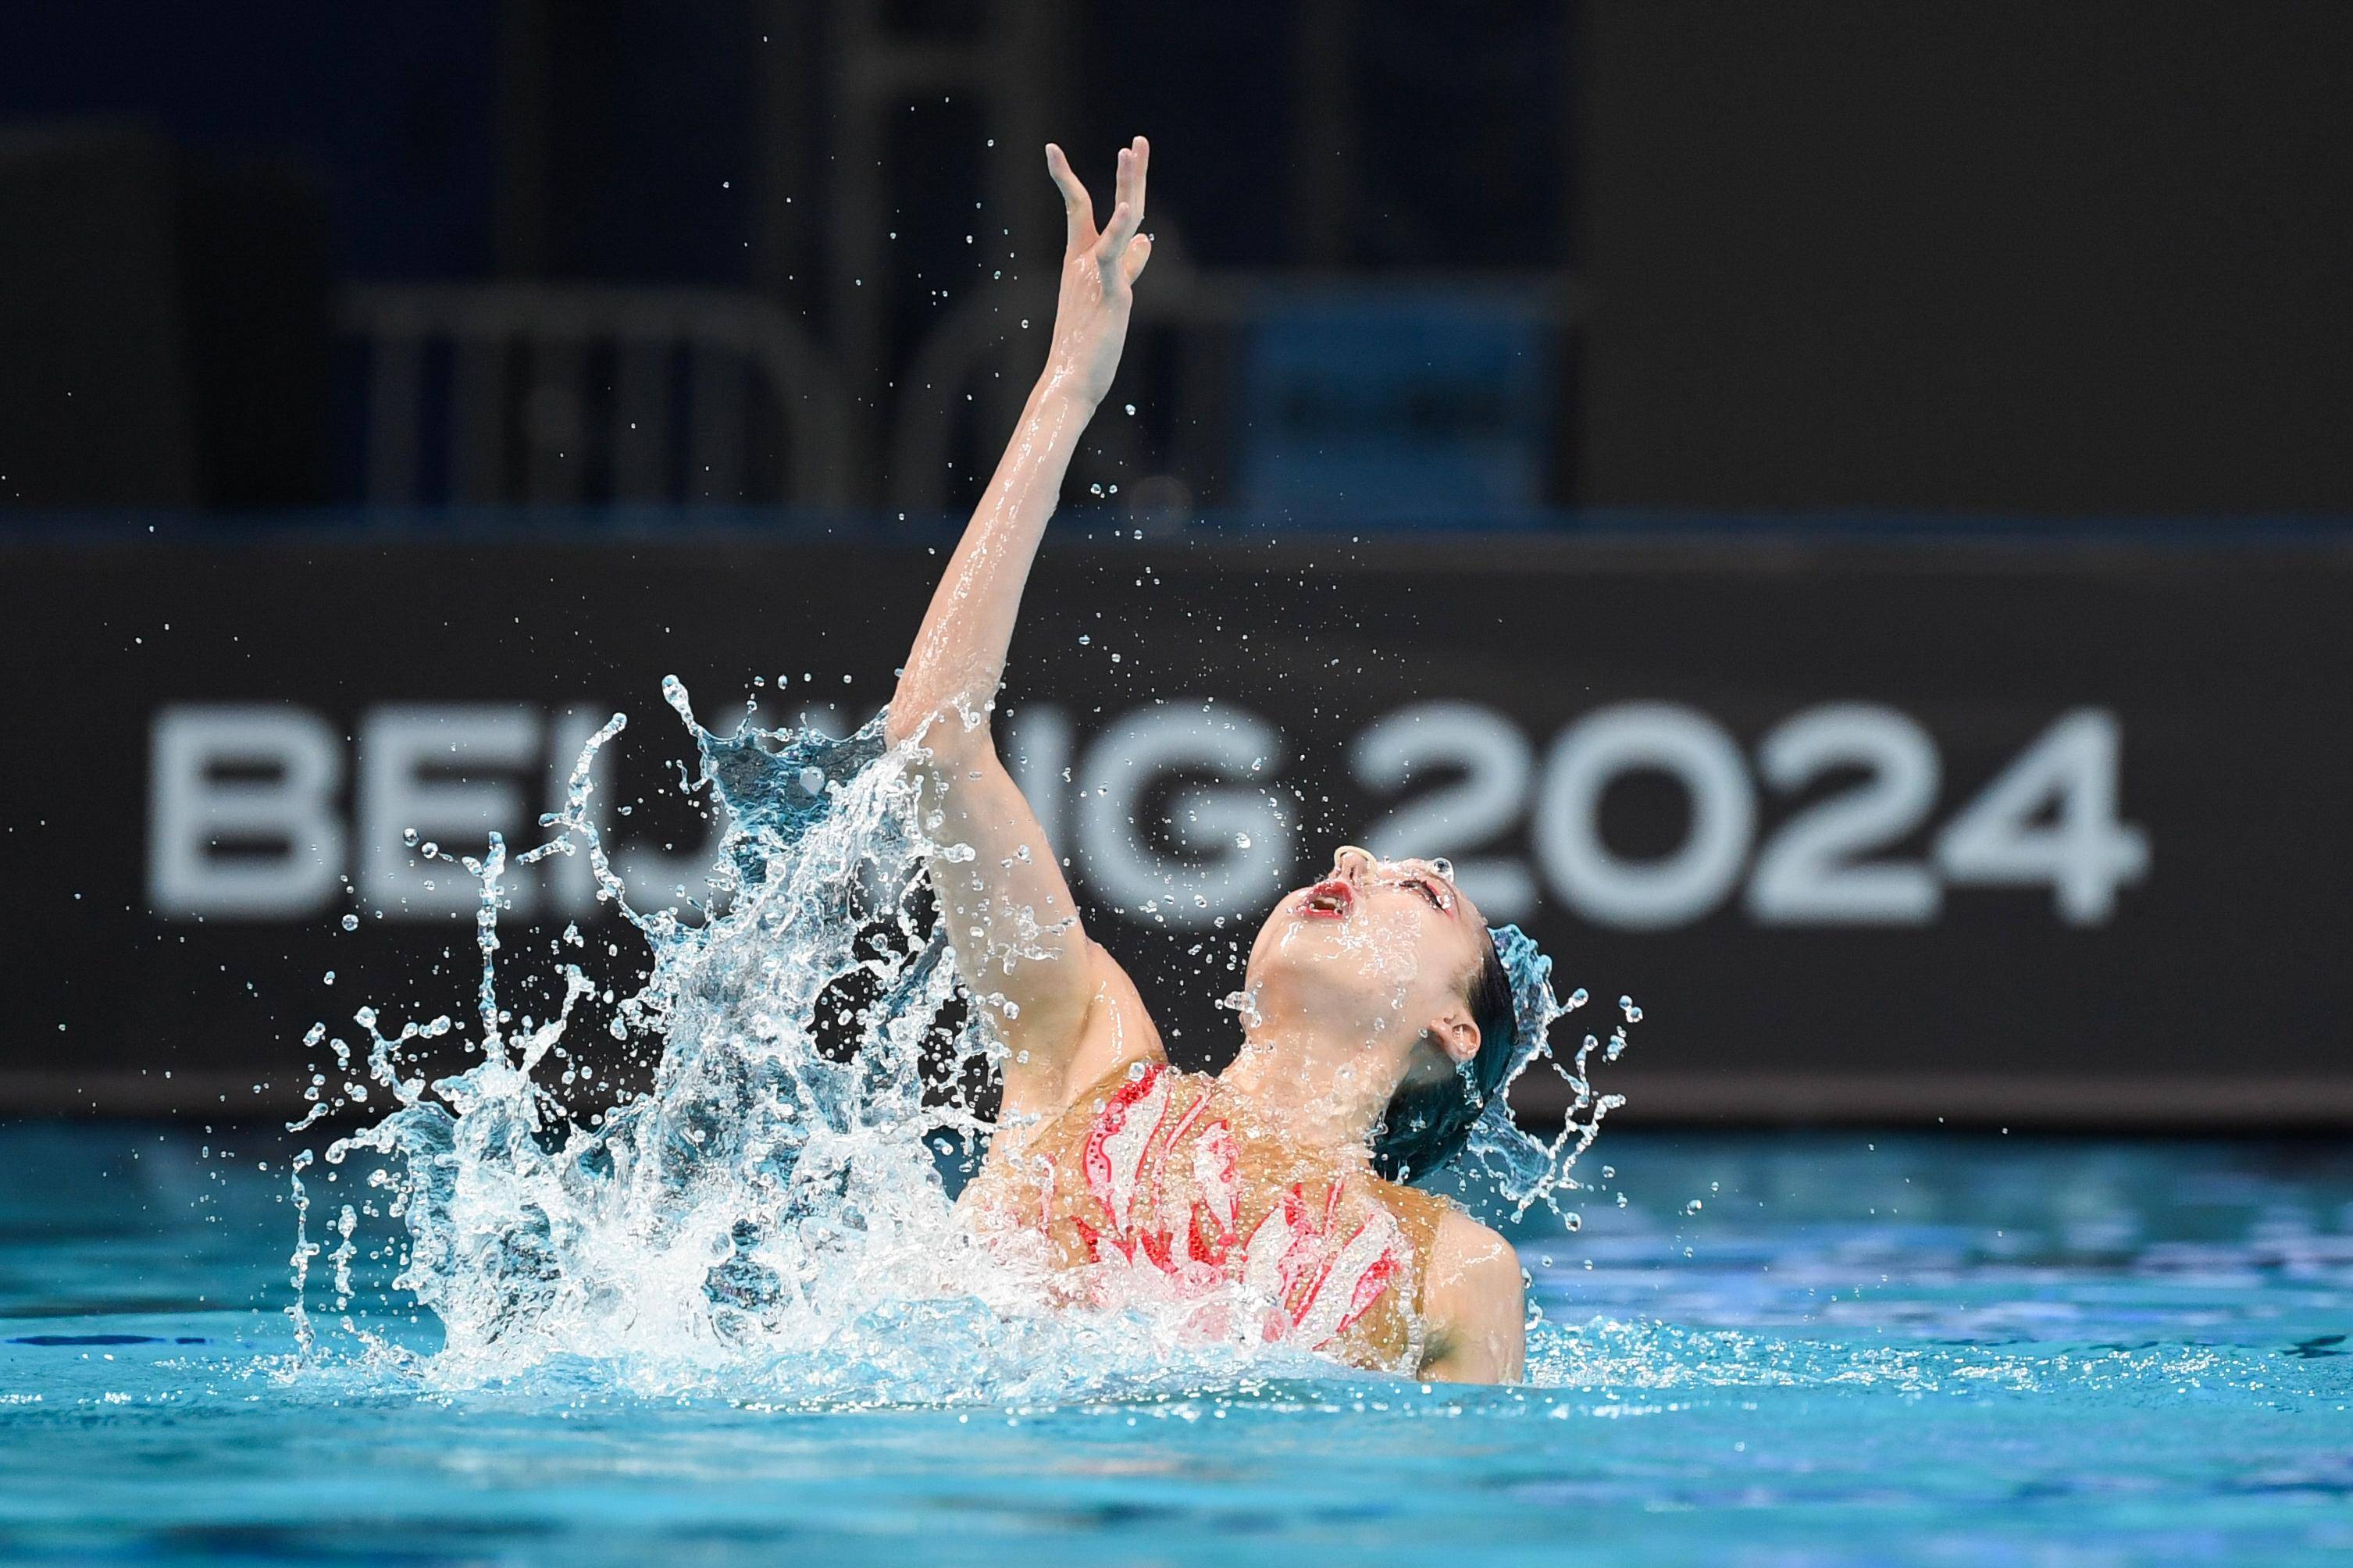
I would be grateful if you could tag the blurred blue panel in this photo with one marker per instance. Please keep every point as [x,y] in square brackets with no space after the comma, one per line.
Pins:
[1377,402]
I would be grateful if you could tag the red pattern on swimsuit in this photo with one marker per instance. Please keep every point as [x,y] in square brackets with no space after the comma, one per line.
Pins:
[1310,1282]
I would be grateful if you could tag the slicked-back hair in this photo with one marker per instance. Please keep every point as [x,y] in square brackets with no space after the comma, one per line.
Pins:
[1429,1116]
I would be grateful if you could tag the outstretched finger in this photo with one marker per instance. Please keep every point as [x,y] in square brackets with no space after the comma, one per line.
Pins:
[1078,207]
[1134,160]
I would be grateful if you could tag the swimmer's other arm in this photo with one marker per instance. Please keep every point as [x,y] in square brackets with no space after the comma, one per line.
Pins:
[1065,1011]
[1478,1327]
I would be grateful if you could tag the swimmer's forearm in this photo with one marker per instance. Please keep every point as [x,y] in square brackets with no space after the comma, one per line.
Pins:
[959,655]
[958,659]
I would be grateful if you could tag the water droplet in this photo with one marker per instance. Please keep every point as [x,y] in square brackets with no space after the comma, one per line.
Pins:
[351,923]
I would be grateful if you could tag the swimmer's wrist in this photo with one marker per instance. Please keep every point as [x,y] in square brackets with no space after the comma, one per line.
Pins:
[1065,386]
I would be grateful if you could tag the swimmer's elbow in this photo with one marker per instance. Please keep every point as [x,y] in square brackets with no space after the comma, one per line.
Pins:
[952,743]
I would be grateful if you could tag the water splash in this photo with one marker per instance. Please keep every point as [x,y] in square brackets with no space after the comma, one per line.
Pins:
[771,1206]
[1520,1169]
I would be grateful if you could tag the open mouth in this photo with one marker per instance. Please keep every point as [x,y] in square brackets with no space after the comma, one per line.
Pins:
[1329,900]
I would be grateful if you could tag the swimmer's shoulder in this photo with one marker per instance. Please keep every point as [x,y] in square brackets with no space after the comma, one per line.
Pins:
[1129,1080]
[1471,1302]
[1115,1038]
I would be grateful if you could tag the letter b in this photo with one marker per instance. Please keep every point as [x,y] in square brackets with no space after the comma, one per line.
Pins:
[241,812]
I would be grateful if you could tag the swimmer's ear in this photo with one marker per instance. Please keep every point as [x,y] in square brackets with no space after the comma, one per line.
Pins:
[1456,1033]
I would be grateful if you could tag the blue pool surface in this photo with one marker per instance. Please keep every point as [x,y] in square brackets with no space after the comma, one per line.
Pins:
[1858,1347]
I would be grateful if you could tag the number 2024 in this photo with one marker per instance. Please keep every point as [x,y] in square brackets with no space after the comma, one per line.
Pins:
[2049,818]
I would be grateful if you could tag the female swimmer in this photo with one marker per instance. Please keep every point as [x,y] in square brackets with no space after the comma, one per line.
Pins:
[1268,1200]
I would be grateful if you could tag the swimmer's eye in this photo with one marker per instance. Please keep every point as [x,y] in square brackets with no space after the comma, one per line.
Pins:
[1438,901]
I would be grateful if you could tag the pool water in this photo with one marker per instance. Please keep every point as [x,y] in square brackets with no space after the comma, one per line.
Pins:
[1855,1346]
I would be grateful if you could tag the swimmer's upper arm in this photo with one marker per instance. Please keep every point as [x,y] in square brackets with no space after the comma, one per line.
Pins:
[1065,1010]
[1473,1304]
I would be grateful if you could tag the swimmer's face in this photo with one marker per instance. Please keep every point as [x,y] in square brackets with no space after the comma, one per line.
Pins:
[1385,946]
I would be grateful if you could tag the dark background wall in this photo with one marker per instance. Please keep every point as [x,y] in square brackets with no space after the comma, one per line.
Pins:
[862,179]
[2025,257]
[1985,364]
[2081,259]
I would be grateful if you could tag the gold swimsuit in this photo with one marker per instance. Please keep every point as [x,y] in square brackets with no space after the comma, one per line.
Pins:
[1153,1186]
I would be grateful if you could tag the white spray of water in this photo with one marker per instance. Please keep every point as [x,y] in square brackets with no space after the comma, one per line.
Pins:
[770,1209]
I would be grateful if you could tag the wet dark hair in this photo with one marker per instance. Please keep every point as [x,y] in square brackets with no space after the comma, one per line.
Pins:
[1430,1114]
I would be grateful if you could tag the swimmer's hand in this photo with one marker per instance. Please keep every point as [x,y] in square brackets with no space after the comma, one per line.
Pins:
[1099,271]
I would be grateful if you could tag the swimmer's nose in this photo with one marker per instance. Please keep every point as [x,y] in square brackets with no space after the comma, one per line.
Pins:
[1352,863]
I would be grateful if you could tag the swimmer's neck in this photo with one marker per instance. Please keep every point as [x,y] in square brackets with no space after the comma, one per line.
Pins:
[1320,1095]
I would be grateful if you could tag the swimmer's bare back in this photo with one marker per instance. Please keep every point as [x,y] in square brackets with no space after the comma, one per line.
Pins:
[1446,1302]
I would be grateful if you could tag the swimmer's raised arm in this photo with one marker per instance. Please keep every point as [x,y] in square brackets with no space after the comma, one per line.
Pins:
[1066,1013]
[959,653]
